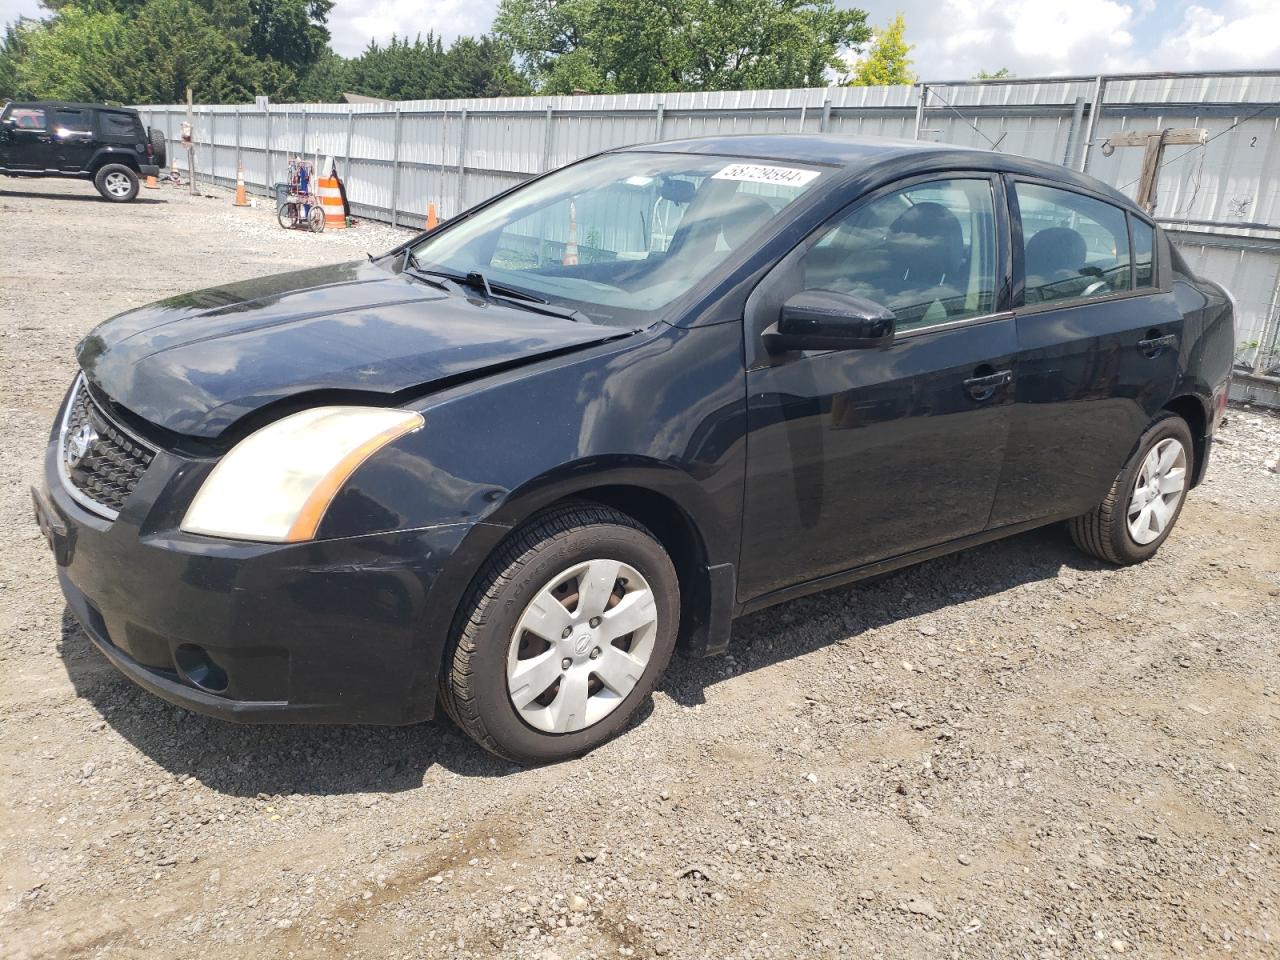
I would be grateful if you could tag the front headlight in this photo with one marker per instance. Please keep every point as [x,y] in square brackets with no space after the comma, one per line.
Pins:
[276,484]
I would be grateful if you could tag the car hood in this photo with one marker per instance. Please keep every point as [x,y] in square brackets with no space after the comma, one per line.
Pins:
[197,363]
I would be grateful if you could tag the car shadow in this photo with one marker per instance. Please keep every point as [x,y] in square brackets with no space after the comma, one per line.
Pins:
[87,197]
[801,626]
[284,759]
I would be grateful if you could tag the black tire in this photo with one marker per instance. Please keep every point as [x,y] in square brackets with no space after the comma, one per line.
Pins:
[116,182]
[473,677]
[315,219]
[287,214]
[1104,530]
[159,147]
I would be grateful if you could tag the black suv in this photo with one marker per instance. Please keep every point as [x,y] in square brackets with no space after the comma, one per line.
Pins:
[108,145]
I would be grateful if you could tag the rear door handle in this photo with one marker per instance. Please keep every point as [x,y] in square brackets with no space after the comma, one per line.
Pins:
[985,386]
[1152,347]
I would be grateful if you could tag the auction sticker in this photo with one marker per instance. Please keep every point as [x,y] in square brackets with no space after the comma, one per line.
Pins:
[760,173]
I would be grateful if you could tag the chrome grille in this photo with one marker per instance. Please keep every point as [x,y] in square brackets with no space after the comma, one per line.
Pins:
[100,462]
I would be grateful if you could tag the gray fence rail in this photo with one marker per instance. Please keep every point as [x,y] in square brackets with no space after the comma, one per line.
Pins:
[1220,201]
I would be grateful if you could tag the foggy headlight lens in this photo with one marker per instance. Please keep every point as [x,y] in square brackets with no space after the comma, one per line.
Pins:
[276,484]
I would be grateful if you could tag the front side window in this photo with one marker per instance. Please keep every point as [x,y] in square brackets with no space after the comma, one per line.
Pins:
[1072,245]
[622,235]
[27,118]
[927,252]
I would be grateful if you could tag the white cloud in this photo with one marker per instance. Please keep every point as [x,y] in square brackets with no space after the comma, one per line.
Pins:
[353,23]
[954,39]
[1242,33]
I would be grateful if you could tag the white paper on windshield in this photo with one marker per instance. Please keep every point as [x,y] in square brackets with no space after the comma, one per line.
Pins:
[762,173]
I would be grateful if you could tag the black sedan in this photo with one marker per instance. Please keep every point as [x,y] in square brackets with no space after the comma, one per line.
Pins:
[514,464]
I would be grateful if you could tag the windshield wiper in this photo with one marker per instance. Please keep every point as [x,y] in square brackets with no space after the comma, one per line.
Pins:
[496,291]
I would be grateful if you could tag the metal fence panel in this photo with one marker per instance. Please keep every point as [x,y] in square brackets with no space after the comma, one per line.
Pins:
[1221,199]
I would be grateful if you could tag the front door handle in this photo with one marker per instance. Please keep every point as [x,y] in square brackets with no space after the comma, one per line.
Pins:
[1152,346]
[984,387]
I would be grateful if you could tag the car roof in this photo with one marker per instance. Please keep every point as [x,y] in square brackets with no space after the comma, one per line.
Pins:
[856,154]
[72,106]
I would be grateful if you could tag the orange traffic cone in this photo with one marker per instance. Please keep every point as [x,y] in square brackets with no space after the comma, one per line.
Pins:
[151,183]
[241,199]
[570,258]
[431,215]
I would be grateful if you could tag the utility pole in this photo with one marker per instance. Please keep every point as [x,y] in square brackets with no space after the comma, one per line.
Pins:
[1154,144]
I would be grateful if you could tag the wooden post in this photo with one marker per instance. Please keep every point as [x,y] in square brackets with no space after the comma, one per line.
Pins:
[191,149]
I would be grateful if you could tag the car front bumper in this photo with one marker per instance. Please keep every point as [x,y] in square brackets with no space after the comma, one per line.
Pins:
[332,631]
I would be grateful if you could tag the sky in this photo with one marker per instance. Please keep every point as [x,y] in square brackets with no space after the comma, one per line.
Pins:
[953,39]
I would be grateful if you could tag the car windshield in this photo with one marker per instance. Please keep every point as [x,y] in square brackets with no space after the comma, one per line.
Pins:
[618,237]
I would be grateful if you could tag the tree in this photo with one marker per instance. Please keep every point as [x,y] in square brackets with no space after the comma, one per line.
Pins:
[886,64]
[1004,73]
[630,46]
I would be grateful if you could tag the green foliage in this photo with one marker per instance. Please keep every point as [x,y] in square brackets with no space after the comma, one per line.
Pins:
[886,62]
[629,46]
[149,54]
[1004,73]
[420,69]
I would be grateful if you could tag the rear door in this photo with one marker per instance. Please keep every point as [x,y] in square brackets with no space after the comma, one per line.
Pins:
[28,144]
[1098,341]
[859,455]
[73,137]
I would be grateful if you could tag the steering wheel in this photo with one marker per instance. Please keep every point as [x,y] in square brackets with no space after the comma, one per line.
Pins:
[1094,287]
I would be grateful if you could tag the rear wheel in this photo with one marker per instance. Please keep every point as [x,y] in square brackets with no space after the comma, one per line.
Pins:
[1139,511]
[315,219]
[116,183]
[568,629]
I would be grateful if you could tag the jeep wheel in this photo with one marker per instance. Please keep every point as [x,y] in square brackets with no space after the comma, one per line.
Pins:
[563,636]
[116,183]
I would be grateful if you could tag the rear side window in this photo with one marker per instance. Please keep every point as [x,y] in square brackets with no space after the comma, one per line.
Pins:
[120,125]
[1072,246]
[1144,273]
[27,118]
[70,121]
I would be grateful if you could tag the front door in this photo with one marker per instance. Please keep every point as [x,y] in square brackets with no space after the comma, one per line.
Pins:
[855,456]
[27,143]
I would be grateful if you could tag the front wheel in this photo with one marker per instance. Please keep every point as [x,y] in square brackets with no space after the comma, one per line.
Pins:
[287,214]
[116,183]
[1138,513]
[567,631]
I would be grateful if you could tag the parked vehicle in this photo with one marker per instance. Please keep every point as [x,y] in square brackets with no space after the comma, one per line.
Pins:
[87,141]
[512,465]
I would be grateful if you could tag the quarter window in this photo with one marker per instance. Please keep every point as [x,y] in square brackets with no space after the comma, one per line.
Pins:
[1072,245]
[926,252]
[119,125]
[1144,274]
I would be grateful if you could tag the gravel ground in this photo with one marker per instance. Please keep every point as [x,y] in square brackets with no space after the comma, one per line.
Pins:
[1010,752]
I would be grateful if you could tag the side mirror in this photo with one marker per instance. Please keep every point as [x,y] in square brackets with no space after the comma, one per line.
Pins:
[825,320]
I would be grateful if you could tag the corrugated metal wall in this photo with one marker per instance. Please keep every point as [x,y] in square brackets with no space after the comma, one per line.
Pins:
[1221,200]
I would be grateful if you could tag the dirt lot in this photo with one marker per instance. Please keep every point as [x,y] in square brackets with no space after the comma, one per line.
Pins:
[1012,752]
